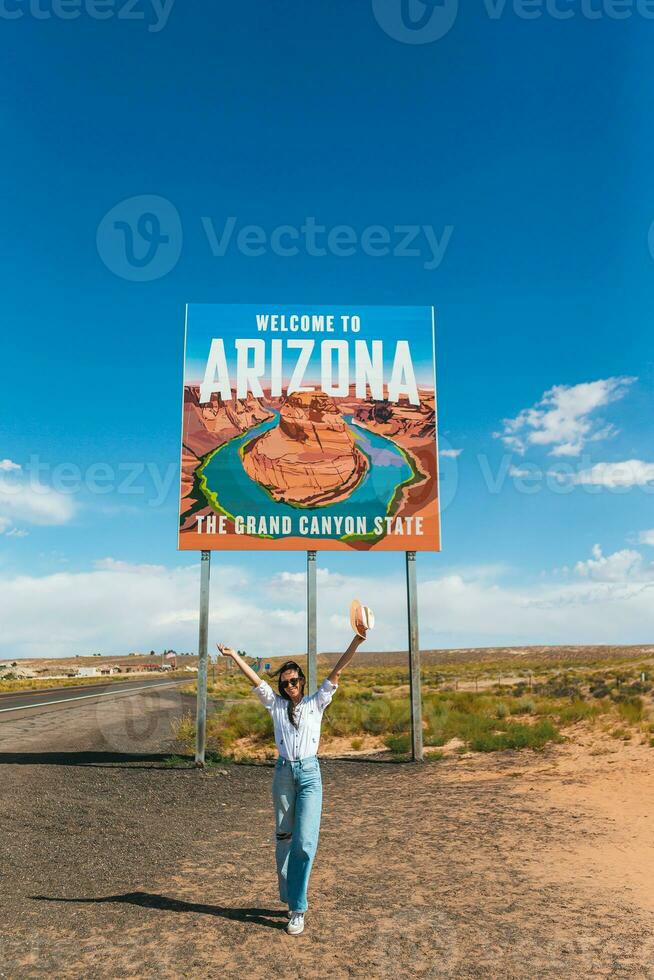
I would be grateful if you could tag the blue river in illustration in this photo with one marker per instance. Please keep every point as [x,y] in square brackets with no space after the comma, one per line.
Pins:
[238,495]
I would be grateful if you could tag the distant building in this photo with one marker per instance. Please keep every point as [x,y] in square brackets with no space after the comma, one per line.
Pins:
[87,672]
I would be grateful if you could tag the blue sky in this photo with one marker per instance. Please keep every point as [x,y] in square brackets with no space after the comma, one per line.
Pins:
[277,153]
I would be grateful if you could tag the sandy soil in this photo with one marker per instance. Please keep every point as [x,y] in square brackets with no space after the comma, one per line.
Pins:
[501,866]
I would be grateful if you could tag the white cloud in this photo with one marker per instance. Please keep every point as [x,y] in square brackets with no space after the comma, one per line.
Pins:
[117,607]
[646,537]
[296,582]
[16,532]
[628,473]
[34,503]
[450,453]
[618,567]
[7,466]
[4,524]
[562,420]
[520,472]
[112,565]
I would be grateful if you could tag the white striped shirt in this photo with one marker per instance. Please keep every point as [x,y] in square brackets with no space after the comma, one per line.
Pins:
[301,742]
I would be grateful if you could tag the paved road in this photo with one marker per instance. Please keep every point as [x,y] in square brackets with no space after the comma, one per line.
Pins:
[125,717]
[11,701]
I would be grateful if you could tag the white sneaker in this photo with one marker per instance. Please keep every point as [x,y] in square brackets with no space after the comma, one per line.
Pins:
[296,923]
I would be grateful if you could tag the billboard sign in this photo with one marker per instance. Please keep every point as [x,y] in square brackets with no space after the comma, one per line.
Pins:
[309,427]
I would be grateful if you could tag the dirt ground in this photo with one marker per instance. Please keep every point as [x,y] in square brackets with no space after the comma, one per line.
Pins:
[500,866]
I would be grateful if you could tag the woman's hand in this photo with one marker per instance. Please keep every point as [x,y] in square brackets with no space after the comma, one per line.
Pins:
[240,663]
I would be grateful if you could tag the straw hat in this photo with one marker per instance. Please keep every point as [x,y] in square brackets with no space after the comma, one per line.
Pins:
[361,616]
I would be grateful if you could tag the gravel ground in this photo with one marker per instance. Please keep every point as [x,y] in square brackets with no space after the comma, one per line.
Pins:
[116,866]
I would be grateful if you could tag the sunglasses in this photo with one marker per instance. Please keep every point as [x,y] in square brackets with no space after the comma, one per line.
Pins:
[291,682]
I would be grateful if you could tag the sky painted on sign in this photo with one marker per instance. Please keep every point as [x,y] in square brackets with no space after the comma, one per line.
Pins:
[388,324]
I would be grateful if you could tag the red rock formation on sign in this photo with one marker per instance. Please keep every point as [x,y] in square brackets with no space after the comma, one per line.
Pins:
[208,426]
[402,419]
[310,458]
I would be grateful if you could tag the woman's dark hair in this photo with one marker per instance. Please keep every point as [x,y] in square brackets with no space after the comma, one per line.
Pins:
[289,665]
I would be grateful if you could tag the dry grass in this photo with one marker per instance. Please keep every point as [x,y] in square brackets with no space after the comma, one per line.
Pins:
[529,712]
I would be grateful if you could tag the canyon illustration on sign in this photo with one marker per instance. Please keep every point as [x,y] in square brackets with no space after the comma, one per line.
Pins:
[309,427]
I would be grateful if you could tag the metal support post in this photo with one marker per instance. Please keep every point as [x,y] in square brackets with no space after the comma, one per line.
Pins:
[201,703]
[414,657]
[312,624]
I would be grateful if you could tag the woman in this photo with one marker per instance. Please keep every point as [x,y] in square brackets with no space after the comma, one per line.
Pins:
[297,782]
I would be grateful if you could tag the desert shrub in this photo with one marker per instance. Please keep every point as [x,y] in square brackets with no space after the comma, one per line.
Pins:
[466,702]
[398,744]
[435,738]
[343,717]
[631,710]
[184,728]
[400,716]
[468,727]
[525,706]
[518,689]
[375,720]
[560,686]
[578,711]
[502,710]
[516,736]
[247,719]
[221,740]
[356,744]
[638,687]
[436,714]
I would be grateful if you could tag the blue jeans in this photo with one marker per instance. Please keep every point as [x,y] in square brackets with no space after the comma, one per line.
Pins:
[297,797]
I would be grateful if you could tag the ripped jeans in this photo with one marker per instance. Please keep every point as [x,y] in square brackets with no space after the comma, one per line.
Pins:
[297,798]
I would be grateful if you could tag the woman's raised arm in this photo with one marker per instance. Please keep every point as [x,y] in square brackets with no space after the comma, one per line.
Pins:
[251,675]
[347,656]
